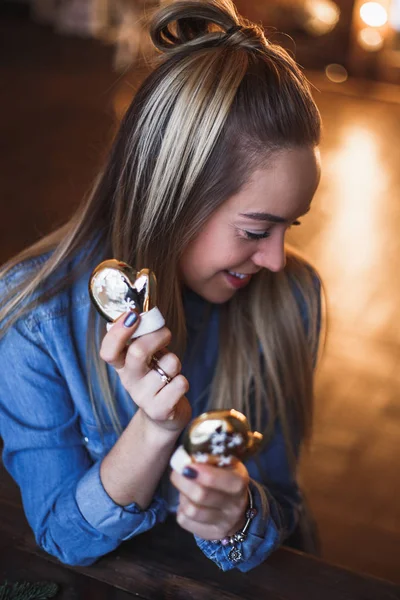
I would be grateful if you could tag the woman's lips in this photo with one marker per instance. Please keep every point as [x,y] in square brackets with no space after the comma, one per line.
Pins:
[237,282]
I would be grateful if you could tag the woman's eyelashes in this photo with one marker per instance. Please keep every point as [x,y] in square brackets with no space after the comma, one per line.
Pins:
[252,235]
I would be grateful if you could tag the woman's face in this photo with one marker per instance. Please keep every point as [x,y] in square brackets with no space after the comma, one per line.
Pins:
[247,232]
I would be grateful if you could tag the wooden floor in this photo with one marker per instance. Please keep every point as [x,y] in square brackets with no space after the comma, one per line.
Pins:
[59,106]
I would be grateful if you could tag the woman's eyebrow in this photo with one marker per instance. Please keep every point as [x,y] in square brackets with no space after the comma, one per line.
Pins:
[261,216]
[258,216]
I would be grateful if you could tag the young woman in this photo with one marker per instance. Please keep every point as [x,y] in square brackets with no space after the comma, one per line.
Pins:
[214,161]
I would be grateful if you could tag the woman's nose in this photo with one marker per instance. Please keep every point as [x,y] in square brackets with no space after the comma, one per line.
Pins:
[271,254]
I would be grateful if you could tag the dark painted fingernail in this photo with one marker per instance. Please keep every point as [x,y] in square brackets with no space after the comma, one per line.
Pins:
[131,319]
[190,473]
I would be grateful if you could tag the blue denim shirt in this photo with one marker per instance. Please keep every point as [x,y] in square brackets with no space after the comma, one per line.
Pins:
[53,448]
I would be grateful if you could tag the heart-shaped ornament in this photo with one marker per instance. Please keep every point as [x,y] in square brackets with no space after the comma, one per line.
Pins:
[220,437]
[115,288]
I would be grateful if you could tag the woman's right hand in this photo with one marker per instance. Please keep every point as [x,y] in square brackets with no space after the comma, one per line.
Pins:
[165,405]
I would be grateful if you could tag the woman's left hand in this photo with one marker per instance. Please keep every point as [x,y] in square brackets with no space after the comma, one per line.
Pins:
[213,502]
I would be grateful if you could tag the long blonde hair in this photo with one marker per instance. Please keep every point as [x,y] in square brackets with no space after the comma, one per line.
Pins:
[219,104]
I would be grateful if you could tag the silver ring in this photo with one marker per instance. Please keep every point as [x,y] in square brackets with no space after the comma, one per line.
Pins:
[156,367]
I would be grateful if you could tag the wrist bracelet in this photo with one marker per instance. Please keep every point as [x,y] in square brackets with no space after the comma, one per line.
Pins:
[235,555]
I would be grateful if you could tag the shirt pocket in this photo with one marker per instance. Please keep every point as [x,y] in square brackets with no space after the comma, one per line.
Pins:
[98,442]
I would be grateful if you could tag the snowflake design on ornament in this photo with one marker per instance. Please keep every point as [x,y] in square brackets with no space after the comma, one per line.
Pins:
[224,461]
[236,440]
[218,441]
[217,449]
[219,437]
[200,457]
[129,304]
[221,441]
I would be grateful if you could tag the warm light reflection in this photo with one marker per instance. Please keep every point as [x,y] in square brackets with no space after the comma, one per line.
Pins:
[336,73]
[353,244]
[370,39]
[324,16]
[395,14]
[374,14]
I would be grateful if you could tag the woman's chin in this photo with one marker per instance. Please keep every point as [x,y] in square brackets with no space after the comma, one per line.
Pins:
[216,294]
[220,298]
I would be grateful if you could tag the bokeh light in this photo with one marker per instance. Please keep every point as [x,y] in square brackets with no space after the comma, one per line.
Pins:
[370,39]
[336,73]
[374,14]
[323,16]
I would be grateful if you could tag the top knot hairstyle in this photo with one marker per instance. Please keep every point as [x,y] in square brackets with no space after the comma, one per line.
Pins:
[195,23]
[218,106]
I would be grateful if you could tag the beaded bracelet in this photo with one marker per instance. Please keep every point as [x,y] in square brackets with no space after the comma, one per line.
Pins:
[235,555]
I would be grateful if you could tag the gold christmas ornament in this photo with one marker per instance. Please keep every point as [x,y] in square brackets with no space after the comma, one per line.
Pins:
[220,437]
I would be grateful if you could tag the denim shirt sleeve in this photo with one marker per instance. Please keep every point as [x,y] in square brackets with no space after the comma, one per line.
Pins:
[65,503]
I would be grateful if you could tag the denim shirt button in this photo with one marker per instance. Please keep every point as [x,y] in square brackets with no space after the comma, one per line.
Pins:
[86,440]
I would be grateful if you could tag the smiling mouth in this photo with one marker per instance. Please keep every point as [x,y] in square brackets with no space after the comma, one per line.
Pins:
[242,275]
[239,275]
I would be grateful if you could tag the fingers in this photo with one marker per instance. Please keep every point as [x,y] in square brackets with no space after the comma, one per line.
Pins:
[141,351]
[197,493]
[211,531]
[137,356]
[208,523]
[214,521]
[161,406]
[188,511]
[170,364]
[113,348]
[229,480]
[161,401]
[208,511]
[157,398]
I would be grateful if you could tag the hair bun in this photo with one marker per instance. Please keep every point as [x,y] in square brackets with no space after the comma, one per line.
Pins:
[192,23]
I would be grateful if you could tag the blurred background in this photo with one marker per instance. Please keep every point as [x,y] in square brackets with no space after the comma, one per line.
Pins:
[68,71]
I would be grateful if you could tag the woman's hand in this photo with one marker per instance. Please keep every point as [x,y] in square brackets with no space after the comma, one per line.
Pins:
[164,405]
[213,500]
